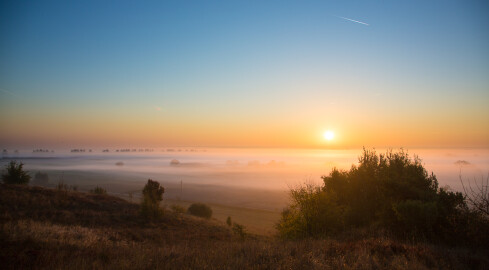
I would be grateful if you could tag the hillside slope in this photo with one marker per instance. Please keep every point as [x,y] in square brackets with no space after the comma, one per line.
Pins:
[51,229]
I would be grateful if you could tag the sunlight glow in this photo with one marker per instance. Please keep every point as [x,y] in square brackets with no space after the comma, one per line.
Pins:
[328,135]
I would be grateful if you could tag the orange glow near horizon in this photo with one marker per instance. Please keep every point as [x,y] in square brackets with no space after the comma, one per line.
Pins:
[154,131]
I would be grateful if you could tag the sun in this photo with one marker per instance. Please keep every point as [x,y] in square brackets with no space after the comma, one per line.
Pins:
[328,135]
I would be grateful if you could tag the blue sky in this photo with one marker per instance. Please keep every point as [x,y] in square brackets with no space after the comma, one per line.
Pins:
[246,61]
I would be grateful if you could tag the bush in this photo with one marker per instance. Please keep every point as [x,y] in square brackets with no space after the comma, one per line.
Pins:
[174,162]
[152,196]
[200,210]
[61,186]
[40,179]
[312,212]
[98,190]
[386,191]
[239,230]
[229,222]
[177,209]
[15,174]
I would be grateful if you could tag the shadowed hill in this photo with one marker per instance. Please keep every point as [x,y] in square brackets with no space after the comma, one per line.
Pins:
[97,211]
[52,229]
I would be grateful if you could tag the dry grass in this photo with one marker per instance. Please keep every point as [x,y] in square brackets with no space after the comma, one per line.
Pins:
[257,221]
[48,229]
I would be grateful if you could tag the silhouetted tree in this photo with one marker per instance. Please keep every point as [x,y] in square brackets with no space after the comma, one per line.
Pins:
[390,191]
[15,174]
[152,196]
[477,195]
[239,230]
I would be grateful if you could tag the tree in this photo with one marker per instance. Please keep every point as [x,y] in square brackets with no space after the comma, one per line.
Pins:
[391,191]
[229,222]
[15,174]
[239,230]
[477,195]
[152,196]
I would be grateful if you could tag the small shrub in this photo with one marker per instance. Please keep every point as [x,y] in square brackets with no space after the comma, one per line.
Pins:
[61,186]
[177,209]
[152,196]
[200,210]
[98,190]
[229,222]
[40,179]
[239,230]
[15,174]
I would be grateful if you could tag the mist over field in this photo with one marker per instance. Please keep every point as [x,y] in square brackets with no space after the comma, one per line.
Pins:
[252,178]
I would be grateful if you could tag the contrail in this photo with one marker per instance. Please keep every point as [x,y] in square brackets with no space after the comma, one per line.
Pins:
[352,20]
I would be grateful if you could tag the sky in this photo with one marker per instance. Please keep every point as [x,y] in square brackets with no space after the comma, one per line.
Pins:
[250,73]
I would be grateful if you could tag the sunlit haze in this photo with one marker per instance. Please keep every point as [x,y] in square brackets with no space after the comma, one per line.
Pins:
[244,74]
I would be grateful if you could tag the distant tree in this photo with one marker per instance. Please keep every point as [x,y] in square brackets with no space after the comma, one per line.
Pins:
[152,196]
[15,174]
[200,210]
[229,222]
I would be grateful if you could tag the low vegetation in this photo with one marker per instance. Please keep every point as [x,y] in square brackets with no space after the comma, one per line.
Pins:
[200,210]
[386,213]
[152,197]
[50,229]
[177,209]
[15,174]
[389,192]
[98,190]
[40,179]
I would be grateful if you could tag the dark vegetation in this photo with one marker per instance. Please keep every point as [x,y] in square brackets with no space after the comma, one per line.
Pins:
[477,195]
[388,192]
[200,210]
[40,179]
[52,229]
[387,213]
[177,209]
[15,174]
[98,190]
[152,196]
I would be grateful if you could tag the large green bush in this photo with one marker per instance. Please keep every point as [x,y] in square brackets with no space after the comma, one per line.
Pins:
[15,173]
[390,191]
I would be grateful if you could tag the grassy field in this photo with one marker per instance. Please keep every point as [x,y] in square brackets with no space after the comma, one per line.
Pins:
[51,229]
[256,221]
